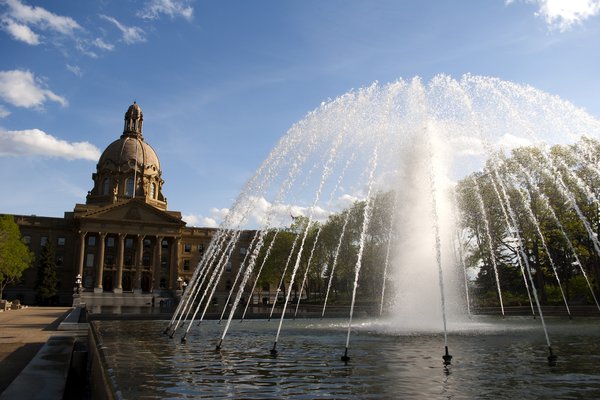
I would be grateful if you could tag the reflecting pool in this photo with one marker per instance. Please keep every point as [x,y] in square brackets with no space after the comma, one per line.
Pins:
[492,358]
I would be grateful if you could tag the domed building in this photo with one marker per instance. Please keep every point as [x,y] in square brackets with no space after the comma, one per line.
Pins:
[123,246]
[129,167]
[128,238]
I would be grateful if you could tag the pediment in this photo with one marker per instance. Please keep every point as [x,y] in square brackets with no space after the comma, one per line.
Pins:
[132,211]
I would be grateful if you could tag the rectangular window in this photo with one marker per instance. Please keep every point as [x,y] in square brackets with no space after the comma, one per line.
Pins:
[61,241]
[187,247]
[128,243]
[128,260]
[243,251]
[109,259]
[129,186]
[228,267]
[92,241]
[146,260]
[201,248]
[186,265]
[110,241]
[165,244]
[59,260]
[147,243]
[27,240]
[43,240]
[89,261]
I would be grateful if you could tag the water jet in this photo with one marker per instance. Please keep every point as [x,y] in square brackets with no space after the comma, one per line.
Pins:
[421,195]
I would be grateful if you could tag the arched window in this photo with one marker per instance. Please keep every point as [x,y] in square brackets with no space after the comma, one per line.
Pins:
[129,187]
[106,186]
[153,190]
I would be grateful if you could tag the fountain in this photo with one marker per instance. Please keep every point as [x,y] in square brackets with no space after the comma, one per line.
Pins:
[399,149]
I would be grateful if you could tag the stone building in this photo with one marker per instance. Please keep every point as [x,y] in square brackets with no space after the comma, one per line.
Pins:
[125,244]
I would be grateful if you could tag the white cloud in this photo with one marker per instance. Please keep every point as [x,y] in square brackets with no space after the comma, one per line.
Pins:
[101,44]
[466,146]
[82,46]
[213,221]
[200,221]
[4,112]
[509,142]
[172,8]
[219,213]
[74,69]
[35,25]
[264,213]
[131,34]
[258,212]
[21,89]
[563,14]
[346,201]
[41,18]
[20,32]
[34,142]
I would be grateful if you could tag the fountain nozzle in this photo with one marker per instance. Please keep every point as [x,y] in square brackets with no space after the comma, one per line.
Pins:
[447,357]
[551,357]
[274,350]
[183,339]
[345,357]
[218,347]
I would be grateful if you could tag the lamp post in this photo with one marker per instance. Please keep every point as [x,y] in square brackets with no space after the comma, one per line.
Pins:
[179,280]
[184,284]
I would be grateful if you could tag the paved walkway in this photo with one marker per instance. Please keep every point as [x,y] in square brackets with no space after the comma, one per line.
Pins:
[22,333]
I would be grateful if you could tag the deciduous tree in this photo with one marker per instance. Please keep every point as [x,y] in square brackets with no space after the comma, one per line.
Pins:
[15,256]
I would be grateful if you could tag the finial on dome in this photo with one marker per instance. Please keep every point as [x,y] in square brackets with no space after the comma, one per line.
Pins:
[133,121]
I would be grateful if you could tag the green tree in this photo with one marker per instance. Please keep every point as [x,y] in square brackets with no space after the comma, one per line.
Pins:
[47,281]
[15,256]
[278,256]
[552,198]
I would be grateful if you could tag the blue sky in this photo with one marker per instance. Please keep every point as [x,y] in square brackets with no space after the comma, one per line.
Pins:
[220,82]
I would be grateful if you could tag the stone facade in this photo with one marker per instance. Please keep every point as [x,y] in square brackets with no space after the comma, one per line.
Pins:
[123,242]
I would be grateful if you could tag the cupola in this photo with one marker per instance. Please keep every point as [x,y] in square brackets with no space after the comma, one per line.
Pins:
[128,168]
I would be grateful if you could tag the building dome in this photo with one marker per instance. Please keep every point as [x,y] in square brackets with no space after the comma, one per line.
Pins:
[129,167]
[128,150]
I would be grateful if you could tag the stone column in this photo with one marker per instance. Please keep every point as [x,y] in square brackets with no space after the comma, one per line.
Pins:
[100,266]
[157,264]
[119,284]
[174,267]
[139,253]
[81,252]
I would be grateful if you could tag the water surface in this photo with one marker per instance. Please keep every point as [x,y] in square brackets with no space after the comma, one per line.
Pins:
[492,359]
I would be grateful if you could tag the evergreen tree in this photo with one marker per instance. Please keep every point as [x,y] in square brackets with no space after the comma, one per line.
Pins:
[15,256]
[47,280]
